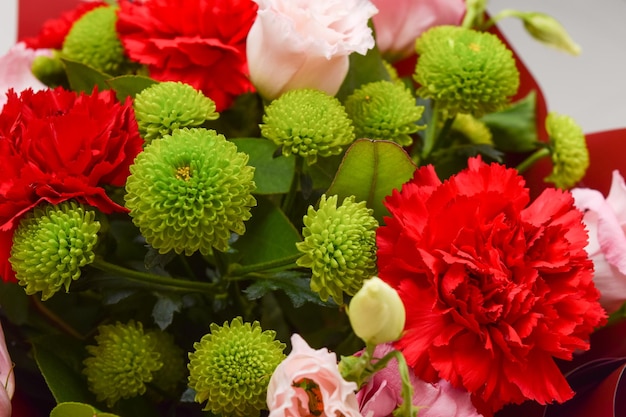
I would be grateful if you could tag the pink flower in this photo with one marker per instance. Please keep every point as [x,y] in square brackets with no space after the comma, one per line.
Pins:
[305,44]
[400,22]
[15,70]
[7,379]
[308,382]
[383,393]
[606,221]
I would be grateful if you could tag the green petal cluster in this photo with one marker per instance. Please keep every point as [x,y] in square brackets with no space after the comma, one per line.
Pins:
[339,246]
[189,190]
[465,71]
[475,130]
[309,123]
[122,362]
[93,41]
[50,246]
[174,368]
[230,368]
[164,107]
[568,147]
[384,110]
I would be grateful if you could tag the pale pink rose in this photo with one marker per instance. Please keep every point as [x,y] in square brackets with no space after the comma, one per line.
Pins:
[400,22]
[316,366]
[383,393]
[305,44]
[606,222]
[7,379]
[15,70]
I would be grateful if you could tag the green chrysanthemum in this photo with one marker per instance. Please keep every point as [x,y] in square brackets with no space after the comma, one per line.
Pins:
[50,246]
[308,123]
[230,368]
[189,190]
[93,41]
[49,69]
[123,360]
[473,129]
[465,71]
[384,110]
[339,246]
[164,107]
[174,367]
[570,156]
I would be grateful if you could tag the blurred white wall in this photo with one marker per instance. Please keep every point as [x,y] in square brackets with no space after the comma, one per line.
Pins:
[8,24]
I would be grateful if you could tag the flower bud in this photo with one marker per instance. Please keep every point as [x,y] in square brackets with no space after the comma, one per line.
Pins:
[548,30]
[568,149]
[376,312]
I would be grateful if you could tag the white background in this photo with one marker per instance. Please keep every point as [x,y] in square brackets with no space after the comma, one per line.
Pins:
[591,87]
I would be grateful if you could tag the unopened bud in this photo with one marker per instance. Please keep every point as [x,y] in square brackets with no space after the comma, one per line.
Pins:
[548,30]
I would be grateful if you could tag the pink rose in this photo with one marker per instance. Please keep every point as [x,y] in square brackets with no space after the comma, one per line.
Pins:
[15,70]
[606,221]
[305,44]
[7,379]
[309,377]
[383,393]
[400,22]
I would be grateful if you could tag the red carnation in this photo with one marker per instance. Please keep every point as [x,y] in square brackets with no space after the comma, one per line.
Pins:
[494,290]
[54,31]
[57,145]
[201,43]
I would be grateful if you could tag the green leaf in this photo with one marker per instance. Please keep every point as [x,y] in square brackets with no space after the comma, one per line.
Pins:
[363,69]
[295,284]
[370,171]
[75,409]
[129,85]
[83,78]
[450,161]
[271,175]
[269,236]
[59,359]
[164,309]
[14,302]
[514,129]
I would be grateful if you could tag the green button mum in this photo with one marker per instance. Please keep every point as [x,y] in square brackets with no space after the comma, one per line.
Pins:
[568,148]
[121,363]
[231,367]
[465,71]
[164,107]
[339,246]
[384,110]
[308,123]
[51,245]
[189,190]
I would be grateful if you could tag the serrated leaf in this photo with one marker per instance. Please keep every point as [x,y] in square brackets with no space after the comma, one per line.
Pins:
[83,78]
[514,129]
[272,175]
[269,236]
[75,409]
[451,160]
[370,171]
[129,85]
[164,309]
[295,284]
[59,359]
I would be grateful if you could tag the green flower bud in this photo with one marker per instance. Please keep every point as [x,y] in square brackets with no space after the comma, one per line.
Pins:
[93,41]
[50,246]
[473,129]
[568,147]
[377,313]
[174,368]
[308,123]
[231,367]
[548,30]
[465,71]
[49,69]
[384,110]
[164,107]
[189,190]
[339,246]
[123,360]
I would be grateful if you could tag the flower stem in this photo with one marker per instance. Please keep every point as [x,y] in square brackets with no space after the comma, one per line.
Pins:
[528,162]
[293,189]
[53,318]
[431,134]
[239,270]
[153,279]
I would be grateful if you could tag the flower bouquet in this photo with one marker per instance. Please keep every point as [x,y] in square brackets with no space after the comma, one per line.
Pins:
[292,208]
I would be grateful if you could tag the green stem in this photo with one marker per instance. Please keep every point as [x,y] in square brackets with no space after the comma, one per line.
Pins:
[443,138]
[431,133]
[53,318]
[293,189]
[528,162]
[158,280]
[502,15]
[239,270]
